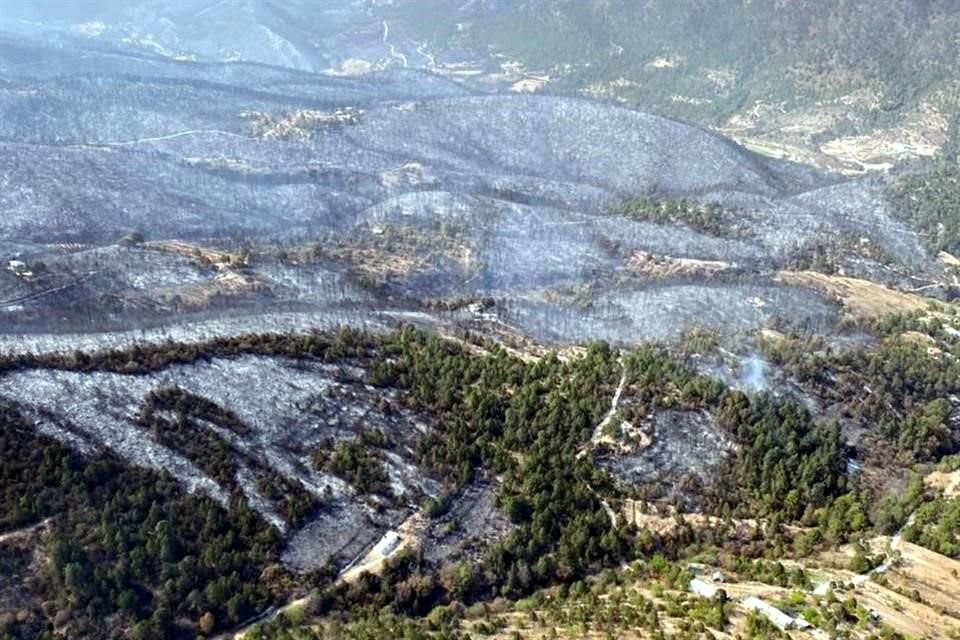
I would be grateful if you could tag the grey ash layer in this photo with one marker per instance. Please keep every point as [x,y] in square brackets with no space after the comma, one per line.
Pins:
[133,142]
[290,408]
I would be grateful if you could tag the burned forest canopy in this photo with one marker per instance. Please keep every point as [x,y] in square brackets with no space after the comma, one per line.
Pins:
[516,319]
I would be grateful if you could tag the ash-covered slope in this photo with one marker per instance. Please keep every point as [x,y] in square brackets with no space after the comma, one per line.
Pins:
[285,409]
[402,183]
[173,233]
[191,136]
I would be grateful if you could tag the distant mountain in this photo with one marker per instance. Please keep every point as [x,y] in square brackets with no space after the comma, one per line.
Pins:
[305,35]
[801,78]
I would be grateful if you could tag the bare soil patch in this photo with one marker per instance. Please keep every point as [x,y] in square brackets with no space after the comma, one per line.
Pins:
[861,299]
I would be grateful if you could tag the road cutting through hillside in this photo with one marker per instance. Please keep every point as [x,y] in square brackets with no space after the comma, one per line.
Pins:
[405,537]
[597,436]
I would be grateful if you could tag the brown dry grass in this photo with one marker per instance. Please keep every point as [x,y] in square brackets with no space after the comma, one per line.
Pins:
[393,251]
[647,516]
[861,299]
[903,614]
[948,259]
[377,263]
[649,265]
[936,578]
[204,255]
[948,483]
[916,337]
[296,126]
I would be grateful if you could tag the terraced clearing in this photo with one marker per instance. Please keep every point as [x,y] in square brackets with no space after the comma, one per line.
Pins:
[602,610]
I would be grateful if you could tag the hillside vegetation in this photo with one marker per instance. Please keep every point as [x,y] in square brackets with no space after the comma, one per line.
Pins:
[777,51]
[828,69]
[525,422]
[930,200]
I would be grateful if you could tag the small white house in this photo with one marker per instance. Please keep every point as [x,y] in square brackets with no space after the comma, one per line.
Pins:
[19,268]
[388,543]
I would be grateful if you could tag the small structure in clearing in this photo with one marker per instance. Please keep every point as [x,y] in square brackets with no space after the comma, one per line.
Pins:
[703,589]
[19,269]
[388,543]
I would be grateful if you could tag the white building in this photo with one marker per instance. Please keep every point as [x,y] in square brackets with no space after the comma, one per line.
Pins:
[703,589]
[17,266]
[779,619]
[388,543]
